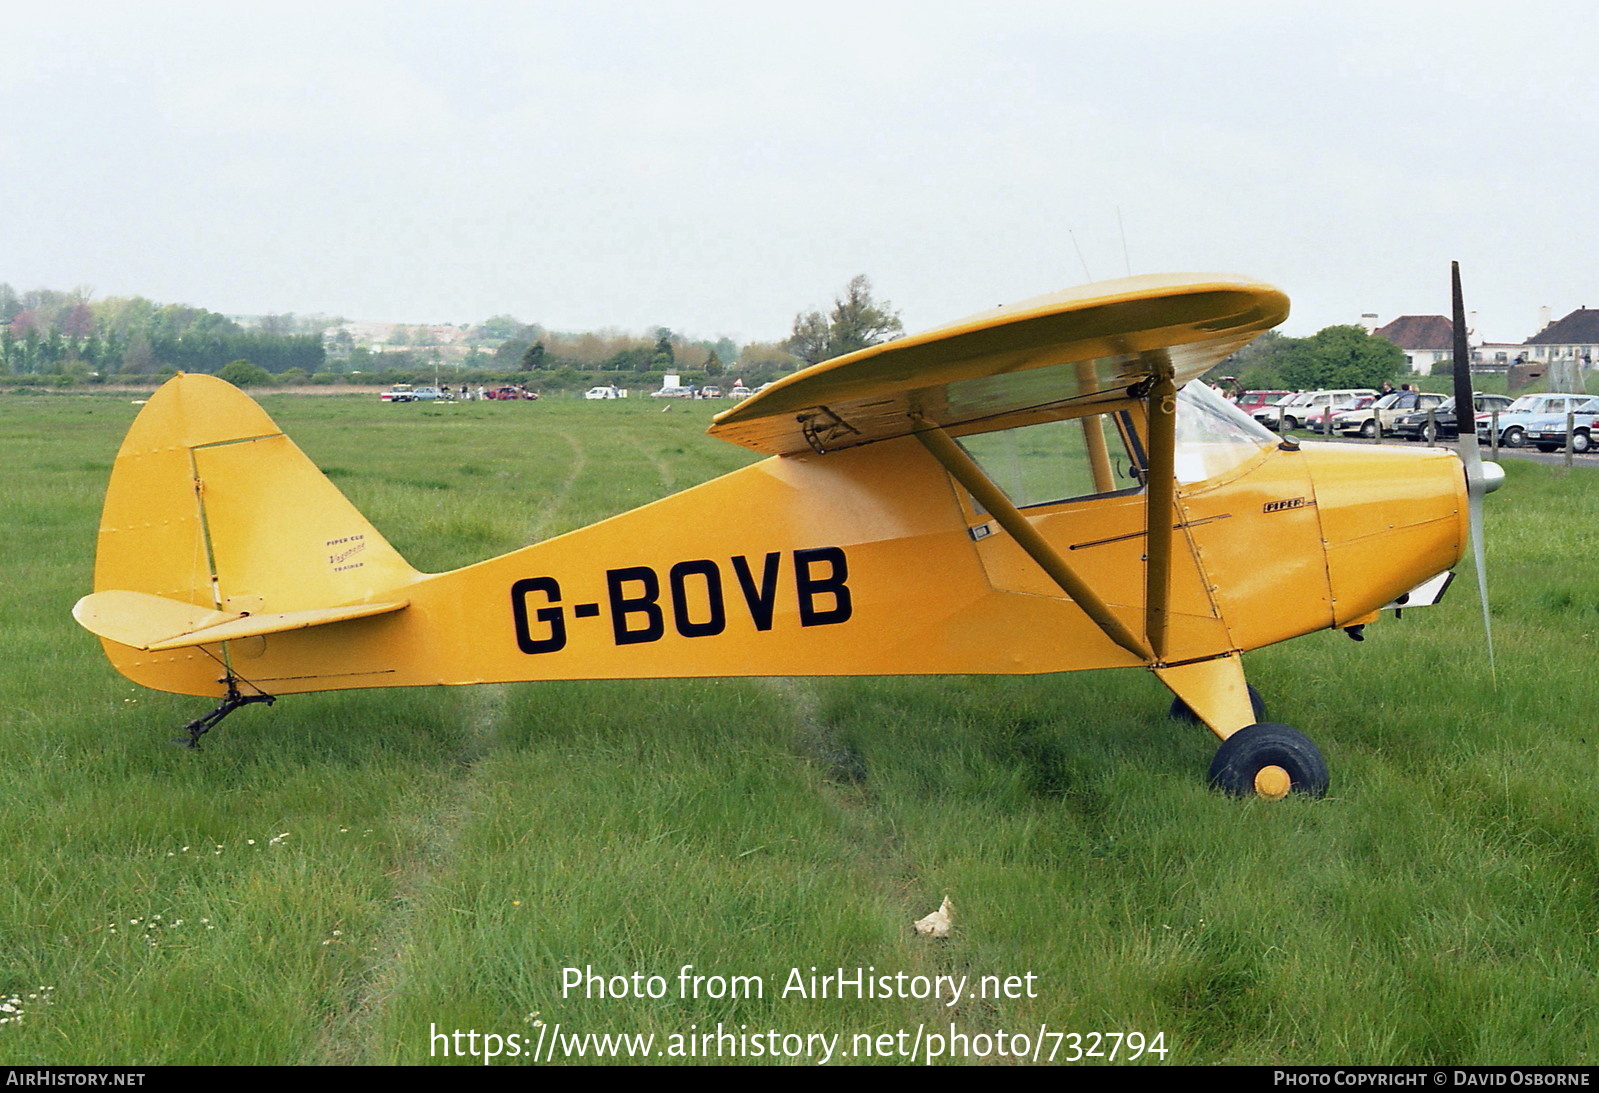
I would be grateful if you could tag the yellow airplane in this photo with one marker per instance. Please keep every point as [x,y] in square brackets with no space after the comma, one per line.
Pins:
[1038,488]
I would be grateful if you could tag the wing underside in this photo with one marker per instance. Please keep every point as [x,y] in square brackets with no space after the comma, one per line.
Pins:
[1065,355]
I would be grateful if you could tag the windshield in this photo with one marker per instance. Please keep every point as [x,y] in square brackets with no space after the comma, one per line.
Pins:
[1214,436]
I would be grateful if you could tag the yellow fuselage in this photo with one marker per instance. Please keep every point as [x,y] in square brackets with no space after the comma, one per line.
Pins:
[865,561]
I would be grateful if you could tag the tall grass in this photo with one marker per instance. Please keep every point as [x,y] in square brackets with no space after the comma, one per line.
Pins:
[433,859]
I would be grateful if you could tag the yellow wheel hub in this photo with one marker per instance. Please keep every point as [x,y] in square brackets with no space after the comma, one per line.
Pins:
[1273,783]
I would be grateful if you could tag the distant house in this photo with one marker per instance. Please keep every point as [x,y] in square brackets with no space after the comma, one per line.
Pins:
[1496,356]
[1576,337]
[1425,340]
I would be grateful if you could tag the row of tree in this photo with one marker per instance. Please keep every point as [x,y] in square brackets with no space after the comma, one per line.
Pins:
[45,332]
[69,333]
[142,354]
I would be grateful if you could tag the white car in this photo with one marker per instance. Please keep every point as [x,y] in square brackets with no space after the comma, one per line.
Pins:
[1292,413]
[1513,420]
[602,392]
[1385,411]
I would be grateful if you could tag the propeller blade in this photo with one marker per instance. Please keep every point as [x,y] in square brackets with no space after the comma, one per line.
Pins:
[1479,480]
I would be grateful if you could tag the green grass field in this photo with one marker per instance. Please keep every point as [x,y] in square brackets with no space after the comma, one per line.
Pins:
[335,878]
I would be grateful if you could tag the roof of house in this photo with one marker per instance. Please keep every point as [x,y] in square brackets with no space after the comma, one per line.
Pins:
[1581,327]
[1418,332]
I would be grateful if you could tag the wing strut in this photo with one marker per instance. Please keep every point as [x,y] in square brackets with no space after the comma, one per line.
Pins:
[969,474]
[1161,500]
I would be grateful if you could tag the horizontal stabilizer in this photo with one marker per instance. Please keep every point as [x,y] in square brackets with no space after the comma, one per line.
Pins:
[154,623]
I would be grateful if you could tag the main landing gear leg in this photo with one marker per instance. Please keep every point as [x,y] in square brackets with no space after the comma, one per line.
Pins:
[230,702]
[1257,758]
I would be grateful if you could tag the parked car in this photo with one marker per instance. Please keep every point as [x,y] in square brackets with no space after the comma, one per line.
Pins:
[400,392]
[1250,401]
[1384,412]
[1325,421]
[1513,419]
[710,392]
[1295,411]
[602,392]
[1547,432]
[1289,412]
[1443,426]
[739,392]
[512,393]
[672,392]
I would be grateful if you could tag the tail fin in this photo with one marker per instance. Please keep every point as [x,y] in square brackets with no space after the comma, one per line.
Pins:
[213,510]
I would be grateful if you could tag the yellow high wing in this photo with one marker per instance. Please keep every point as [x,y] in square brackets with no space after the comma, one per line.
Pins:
[871,543]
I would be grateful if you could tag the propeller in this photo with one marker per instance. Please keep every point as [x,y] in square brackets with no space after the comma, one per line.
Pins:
[1481,477]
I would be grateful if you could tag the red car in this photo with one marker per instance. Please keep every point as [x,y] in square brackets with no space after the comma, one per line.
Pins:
[1250,401]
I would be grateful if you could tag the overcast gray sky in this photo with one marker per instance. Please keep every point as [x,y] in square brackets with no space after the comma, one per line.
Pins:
[717,167]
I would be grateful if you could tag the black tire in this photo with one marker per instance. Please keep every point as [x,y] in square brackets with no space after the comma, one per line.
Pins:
[1248,751]
[1180,712]
[1430,434]
[1581,442]
[1369,430]
[1515,437]
[1289,424]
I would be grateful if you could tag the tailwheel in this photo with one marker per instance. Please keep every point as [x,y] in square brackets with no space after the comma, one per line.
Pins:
[1270,761]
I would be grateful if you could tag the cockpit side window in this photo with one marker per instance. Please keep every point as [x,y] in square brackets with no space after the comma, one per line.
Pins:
[1056,461]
